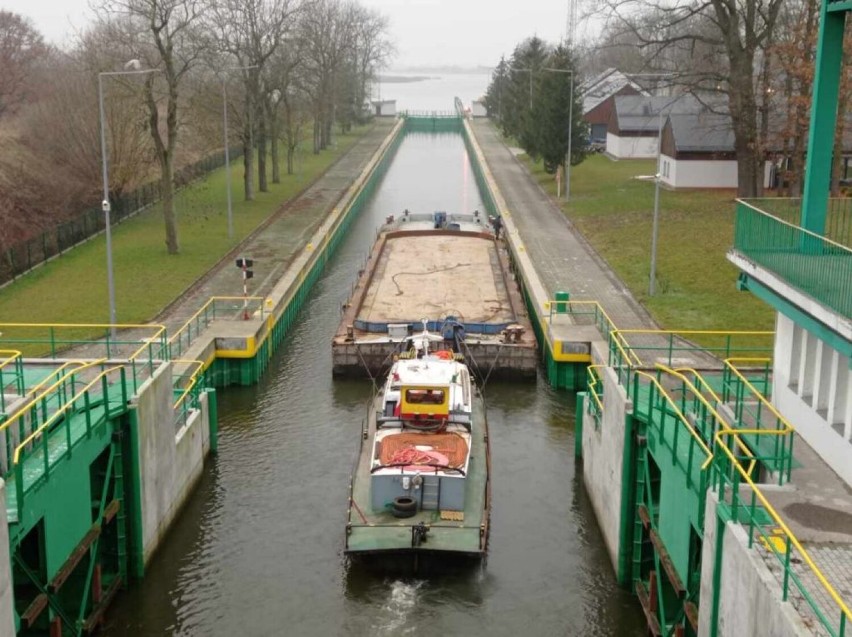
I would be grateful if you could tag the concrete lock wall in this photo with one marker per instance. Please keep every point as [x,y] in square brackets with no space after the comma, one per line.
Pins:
[7,596]
[749,595]
[170,461]
[603,448]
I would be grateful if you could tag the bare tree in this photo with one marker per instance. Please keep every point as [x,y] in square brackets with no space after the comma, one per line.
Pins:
[729,32]
[326,32]
[250,32]
[163,34]
[21,48]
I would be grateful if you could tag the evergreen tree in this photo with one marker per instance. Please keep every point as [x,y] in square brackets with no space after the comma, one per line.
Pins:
[552,113]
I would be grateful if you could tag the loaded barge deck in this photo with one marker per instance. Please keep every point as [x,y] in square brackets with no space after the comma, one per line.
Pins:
[451,272]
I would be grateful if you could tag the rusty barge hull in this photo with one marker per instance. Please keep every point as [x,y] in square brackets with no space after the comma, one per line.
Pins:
[458,281]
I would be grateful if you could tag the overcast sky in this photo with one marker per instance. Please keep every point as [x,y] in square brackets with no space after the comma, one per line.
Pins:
[426,32]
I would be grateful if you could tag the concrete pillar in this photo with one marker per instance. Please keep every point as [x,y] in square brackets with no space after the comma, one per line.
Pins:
[7,593]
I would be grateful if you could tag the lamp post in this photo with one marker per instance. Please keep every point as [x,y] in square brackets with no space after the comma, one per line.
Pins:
[227,150]
[652,284]
[655,224]
[134,69]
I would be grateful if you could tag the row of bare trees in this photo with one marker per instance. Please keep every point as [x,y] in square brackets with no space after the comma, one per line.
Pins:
[756,55]
[293,72]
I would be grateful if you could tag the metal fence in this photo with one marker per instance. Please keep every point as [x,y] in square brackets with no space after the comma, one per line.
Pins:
[21,257]
[819,267]
[838,217]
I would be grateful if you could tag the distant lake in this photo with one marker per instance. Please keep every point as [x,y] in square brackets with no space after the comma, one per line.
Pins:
[433,94]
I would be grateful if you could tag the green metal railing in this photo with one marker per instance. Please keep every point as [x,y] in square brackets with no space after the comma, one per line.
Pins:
[750,508]
[415,114]
[144,347]
[45,399]
[233,308]
[11,375]
[107,392]
[595,387]
[765,430]
[674,430]
[838,218]
[187,390]
[816,265]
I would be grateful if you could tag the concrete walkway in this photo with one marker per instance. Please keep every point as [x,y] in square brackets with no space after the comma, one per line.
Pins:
[275,244]
[563,259]
[817,504]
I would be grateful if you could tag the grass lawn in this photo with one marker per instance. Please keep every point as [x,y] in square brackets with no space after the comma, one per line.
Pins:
[73,287]
[695,282]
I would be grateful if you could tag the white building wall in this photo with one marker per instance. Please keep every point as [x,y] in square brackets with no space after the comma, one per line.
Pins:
[701,173]
[631,147]
[478,109]
[812,388]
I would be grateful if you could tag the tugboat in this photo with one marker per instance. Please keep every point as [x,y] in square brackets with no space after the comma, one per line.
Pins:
[421,481]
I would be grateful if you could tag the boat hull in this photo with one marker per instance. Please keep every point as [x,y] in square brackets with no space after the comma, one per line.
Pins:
[376,532]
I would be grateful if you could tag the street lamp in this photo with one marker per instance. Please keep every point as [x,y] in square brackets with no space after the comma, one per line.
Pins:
[652,284]
[133,67]
[227,150]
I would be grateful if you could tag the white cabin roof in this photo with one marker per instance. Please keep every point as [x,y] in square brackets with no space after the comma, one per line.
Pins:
[425,371]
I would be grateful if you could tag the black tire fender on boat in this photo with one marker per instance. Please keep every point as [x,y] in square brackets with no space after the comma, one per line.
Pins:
[404,506]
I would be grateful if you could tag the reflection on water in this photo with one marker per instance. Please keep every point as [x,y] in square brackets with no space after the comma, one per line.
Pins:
[258,549]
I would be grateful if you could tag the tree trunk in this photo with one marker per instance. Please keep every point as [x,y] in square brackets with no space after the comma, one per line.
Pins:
[273,149]
[289,159]
[261,152]
[248,165]
[167,188]
[317,147]
[743,109]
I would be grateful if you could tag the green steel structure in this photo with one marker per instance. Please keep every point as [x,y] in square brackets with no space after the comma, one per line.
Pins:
[829,60]
[689,433]
[69,456]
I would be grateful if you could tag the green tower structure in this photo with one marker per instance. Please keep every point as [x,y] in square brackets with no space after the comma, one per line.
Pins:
[829,62]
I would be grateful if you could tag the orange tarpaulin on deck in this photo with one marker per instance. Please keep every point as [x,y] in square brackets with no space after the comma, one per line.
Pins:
[451,445]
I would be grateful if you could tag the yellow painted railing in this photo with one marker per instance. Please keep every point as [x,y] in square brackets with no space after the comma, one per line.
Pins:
[657,387]
[10,357]
[181,340]
[61,411]
[790,542]
[60,371]
[46,392]
[720,344]
[60,335]
[781,431]
[594,379]
[188,399]
[697,394]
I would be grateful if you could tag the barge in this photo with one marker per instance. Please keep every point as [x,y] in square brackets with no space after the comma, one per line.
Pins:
[454,271]
[421,480]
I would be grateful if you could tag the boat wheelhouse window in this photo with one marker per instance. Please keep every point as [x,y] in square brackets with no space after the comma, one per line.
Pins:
[424,396]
